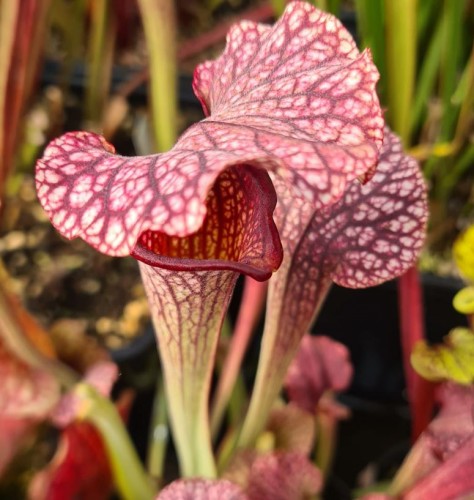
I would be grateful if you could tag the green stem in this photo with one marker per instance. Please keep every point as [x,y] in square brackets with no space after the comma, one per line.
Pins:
[427,77]
[370,22]
[321,4]
[190,429]
[452,22]
[426,15]
[100,61]
[401,63]
[326,427]
[465,96]
[331,6]
[159,435]
[334,7]
[130,477]
[159,24]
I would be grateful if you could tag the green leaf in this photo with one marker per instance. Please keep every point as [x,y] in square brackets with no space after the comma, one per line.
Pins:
[427,77]
[370,22]
[463,253]
[464,300]
[452,23]
[453,360]
[100,60]
[158,17]
[401,49]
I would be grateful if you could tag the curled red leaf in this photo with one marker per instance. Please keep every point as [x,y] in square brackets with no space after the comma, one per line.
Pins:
[106,200]
[454,478]
[297,99]
[79,469]
[303,78]
[373,234]
[238,232]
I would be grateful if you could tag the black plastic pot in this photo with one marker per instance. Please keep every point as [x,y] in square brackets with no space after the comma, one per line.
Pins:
[367,322]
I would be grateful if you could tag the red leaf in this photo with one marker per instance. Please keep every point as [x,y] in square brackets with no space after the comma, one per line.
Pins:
[454,424]
[22,40]
[451,480]
[27,393]
[442,457]
[277,476]
[201,489]
[297,99]
[133,212]
[321,365]
[301,79]
[79,469]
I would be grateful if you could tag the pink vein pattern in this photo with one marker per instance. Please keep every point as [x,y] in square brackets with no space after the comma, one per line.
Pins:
[373,234]
[238,232]
[188,309]
[297,99]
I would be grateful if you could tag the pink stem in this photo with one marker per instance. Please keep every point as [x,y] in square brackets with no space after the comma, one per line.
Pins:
[249,313]
[420,391]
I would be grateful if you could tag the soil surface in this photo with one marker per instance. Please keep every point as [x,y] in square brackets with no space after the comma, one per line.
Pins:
[61,279]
